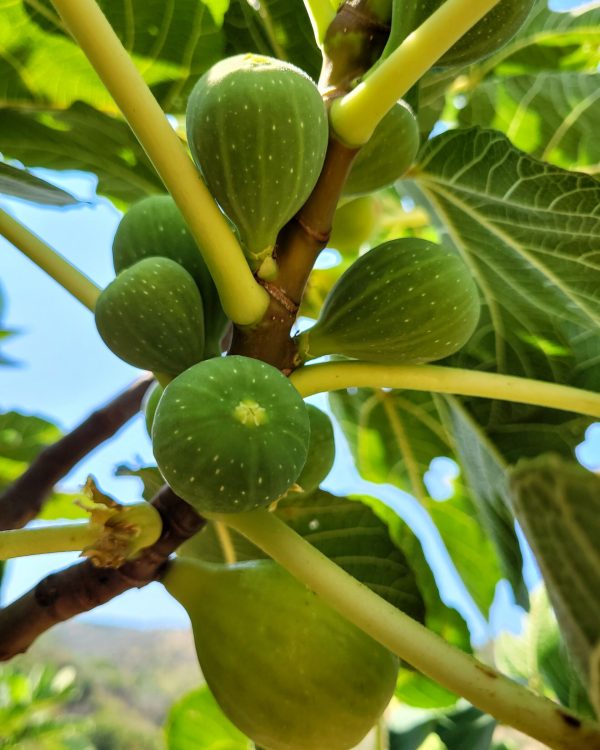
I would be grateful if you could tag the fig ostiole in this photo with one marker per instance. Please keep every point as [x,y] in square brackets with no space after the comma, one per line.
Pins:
[230,434]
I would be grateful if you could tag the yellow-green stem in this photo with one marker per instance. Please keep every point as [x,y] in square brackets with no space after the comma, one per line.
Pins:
[333,376]
[321,14]
[355,116]
[69,537]
[487,689]
[243,299]
[49,261]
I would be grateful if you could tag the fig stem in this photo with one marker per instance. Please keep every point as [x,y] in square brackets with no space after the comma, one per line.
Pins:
[321,14]
[68,537]
[333,376]
[355,116]
[243,299]
[456,670]
[112,535]
[65,274]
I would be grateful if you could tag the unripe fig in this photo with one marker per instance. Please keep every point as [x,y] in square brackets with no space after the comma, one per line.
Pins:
[257,129]
[149,405]
[155,227]
[321,450]
[405,301]
[494,30]
[286,669]
[230,434]
[151,317]
[390,151]
[353,224]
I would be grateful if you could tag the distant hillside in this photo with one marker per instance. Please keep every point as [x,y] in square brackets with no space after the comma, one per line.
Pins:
[128,678]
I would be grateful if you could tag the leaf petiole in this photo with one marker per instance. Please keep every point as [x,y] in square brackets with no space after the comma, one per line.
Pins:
[243,299]
[71,279]
[355,116]
[321,14]
[333,376]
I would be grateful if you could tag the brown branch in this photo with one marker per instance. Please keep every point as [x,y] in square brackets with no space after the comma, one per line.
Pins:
[24,499]
[83,586]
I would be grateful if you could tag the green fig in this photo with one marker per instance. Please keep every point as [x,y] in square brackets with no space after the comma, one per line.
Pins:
[405,301]
[151,317]
[353,224]
[155,227]
[321,450]
[230,434]
[491,33]
[257,129]
[388,154]
[149,405]
[286,669]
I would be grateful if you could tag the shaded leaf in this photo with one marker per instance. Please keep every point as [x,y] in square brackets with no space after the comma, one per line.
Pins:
[196,722]
[19,183]
[347,532]
[81,138]
[278,28]
[558,505]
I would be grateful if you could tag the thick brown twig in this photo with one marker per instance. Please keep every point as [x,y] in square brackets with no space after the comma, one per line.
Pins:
[24,499]
[83,586]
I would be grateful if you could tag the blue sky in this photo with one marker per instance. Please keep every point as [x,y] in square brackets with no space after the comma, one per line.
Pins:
[65,370]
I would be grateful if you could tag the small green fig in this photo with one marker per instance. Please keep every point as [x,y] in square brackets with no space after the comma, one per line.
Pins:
[491,33]
[353,224]
[321,450]
[257,129]
[230,434]
[149,405]
[151,317]
[405,301]
[286,669]
[389,153]
[155,227]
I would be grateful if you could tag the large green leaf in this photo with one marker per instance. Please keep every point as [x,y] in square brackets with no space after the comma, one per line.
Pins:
[529,232]
[81,138]
[393,437]
[552,116]
[196,722]
[171,43]
[558,506]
